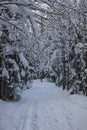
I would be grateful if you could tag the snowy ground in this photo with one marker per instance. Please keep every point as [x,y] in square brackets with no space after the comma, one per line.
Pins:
[45,107]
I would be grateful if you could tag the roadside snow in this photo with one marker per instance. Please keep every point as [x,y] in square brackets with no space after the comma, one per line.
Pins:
[44,107]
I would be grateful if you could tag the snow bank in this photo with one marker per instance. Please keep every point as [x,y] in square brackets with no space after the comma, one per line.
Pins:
[76,106]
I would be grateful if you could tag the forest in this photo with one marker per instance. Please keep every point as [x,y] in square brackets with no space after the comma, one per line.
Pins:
[42,39]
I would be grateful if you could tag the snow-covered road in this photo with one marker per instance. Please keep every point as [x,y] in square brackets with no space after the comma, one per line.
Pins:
[45,107]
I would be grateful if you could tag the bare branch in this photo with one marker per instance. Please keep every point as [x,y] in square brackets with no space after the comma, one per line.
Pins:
[11,24]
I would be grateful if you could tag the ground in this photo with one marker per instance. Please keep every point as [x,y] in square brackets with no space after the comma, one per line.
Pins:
[44,107]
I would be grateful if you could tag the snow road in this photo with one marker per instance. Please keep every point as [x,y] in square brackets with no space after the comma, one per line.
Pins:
[45,107]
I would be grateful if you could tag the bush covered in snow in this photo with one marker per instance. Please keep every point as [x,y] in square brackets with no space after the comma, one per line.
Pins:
[14,69]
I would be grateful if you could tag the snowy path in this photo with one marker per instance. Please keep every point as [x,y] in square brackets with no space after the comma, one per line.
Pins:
[45,107]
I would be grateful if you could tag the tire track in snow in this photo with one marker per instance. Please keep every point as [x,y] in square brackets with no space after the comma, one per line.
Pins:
[26,117]
[18,119]
[32,121]
[34,115]
[14,120]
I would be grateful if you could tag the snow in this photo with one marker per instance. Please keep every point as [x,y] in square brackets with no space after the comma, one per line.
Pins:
[15,66]
[44,107]
[85,70]
[5,73]
[14,9]
[79,47]
[23,73]
[23,60]
[8,48]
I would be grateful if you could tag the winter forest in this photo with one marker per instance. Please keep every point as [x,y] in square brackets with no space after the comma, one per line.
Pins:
[43,43]
[43,39]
